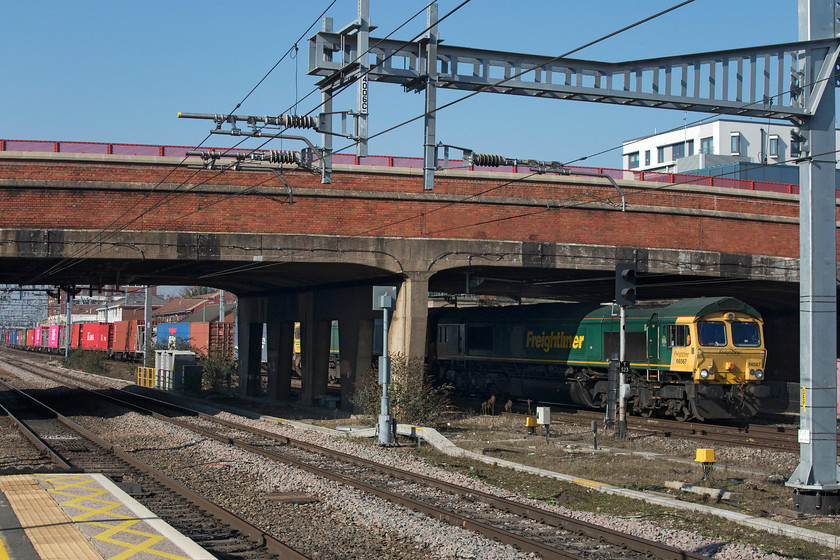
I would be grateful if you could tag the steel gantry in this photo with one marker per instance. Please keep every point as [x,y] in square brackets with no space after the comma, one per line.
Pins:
[790,81]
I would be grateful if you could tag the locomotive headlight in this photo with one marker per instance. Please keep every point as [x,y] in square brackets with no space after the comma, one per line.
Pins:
[704,373]
[757,373]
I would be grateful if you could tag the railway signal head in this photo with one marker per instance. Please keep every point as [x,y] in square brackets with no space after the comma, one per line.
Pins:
[625,284]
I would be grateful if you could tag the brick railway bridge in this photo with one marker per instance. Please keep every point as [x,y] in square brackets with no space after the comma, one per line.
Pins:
[294,249]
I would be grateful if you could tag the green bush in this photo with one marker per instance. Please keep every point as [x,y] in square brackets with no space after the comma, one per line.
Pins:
[86,360]
[414,396]
[219,373]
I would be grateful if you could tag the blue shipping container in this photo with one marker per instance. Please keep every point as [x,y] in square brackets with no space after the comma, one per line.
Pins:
[170,335]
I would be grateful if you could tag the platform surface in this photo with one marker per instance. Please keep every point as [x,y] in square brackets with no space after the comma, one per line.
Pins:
[83,516]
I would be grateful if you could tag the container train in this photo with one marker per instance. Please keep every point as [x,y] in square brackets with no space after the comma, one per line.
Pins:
[700,358]
[123,340]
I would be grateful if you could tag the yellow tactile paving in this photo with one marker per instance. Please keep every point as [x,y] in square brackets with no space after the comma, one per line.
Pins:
[52,535]
[87,503]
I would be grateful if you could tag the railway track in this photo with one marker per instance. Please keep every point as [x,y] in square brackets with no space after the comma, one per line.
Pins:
[772,437]
[73,448]
[526,527]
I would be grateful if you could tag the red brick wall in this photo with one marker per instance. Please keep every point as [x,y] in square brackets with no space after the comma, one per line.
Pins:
[139,196]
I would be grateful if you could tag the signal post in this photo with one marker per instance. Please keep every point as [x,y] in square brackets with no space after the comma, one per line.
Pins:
[625,294]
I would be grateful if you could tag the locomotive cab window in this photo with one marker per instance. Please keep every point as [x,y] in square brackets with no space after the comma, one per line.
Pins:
[711,333]
[678,335]
[746,333]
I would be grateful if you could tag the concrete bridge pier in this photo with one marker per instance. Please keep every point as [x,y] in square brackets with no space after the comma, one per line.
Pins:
[249,341]
[280,346]
[407,334]
[315,311]
[314,347]
[355,342]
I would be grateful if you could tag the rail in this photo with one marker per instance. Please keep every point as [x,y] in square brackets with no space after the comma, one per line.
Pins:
[114,148]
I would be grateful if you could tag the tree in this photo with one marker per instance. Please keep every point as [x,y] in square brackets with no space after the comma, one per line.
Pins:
[194,291]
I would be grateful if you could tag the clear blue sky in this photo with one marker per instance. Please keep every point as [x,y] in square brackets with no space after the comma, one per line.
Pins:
[109,71]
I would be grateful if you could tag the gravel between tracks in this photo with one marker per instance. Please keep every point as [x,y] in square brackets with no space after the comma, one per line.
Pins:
[245,479]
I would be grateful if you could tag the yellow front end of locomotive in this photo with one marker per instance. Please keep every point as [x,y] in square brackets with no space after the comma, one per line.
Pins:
[729,349]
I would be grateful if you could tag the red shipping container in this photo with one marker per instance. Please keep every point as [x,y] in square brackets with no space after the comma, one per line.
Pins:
[75,335]
[96,336]
[30,338]
[221,339]
[121,337]
[124,337]
[200,338]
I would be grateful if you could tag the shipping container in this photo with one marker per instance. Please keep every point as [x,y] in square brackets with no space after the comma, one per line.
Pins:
[76,335]
[125,338]
[57,336]
[30,338]
[45,337]
[96,336]
[172,335]
[211,339]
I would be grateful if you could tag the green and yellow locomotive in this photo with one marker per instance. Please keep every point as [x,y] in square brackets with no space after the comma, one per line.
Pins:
[700,358]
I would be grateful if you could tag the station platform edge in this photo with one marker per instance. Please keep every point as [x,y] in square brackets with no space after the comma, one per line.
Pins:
[83,516]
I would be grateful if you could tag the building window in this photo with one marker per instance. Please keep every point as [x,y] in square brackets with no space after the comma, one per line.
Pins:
[647,157]
[735,143]
[707,145]
[773,147]
[689,147]
[677,151]
[633,160]
[660,154]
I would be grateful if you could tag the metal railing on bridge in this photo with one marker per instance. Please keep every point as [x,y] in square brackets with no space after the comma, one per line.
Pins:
[114,148]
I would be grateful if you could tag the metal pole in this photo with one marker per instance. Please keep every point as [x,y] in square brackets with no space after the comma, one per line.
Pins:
[385,437]
[816,481]
[429,152]
[622,411]
[362,83]
[147,320]
[67,329]
[326,122]
[221,306]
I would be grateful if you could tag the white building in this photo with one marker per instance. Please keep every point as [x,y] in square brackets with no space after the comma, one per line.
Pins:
[711,144]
